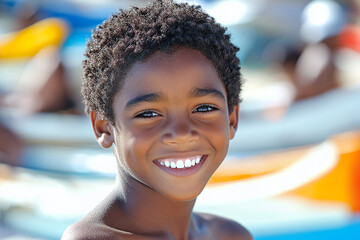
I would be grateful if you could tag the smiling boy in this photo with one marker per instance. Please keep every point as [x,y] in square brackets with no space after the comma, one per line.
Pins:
[161,86]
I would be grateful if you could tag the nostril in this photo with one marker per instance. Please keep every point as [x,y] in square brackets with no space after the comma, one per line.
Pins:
[184,138]
[194,136]
[168,139]
[179,130]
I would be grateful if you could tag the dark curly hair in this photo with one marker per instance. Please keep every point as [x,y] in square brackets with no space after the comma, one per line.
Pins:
[134,35]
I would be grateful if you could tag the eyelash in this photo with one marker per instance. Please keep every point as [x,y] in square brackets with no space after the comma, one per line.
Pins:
[145,114]
[151,114]
[209,108]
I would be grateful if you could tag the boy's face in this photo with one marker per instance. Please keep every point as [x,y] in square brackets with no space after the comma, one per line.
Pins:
[172,112]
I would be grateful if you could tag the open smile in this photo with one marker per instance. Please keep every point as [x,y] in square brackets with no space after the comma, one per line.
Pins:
[181,166]
[180,162]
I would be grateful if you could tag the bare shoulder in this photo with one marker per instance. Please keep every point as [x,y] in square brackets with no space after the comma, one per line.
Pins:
[94,225]
[87,230]
[223,228]
[84,230]
[77,231]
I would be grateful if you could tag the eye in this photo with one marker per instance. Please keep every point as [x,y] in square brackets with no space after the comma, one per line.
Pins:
[205,108]
[147,114]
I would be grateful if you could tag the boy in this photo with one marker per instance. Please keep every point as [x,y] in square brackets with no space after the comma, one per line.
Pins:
[161,85]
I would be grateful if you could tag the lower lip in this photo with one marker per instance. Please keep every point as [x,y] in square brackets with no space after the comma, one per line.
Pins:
[182,172]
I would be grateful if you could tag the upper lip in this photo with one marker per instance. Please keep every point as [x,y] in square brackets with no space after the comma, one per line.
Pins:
[179,155]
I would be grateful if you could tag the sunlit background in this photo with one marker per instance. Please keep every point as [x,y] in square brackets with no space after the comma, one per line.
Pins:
[293,170]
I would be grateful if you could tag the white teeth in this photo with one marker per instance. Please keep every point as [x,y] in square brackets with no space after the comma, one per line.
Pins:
[181,163]
[187,163]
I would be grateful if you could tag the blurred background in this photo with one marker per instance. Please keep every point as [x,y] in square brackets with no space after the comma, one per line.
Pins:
[293,170]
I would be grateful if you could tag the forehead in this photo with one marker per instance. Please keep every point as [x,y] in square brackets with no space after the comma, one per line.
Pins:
[181,67]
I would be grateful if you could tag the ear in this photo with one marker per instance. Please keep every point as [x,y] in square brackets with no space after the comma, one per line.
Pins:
[233,121]
[102,130]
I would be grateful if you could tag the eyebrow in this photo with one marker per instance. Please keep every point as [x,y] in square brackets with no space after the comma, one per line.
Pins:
[151,98]
[202,92]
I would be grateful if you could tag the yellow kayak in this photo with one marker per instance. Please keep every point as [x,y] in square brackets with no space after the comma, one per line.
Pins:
[29,41]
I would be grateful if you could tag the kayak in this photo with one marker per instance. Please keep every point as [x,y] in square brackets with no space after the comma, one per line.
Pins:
[26,43]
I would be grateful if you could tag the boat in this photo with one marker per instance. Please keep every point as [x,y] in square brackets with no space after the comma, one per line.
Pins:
[283,193]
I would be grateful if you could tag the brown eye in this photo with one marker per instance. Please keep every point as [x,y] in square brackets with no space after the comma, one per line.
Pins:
[205,109]
[147,114]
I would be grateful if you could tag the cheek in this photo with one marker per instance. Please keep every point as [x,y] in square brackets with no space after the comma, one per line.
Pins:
[134,139]
[132,158]
[218,131]
[134,147]
[218,135]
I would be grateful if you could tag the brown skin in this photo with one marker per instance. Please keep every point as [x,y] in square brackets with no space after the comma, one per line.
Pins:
[148,202]
[45,93]
[11,146]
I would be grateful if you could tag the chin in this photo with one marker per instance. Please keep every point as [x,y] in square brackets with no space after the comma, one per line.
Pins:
[183,196]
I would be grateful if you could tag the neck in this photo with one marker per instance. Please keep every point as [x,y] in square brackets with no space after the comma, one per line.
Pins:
[141,210]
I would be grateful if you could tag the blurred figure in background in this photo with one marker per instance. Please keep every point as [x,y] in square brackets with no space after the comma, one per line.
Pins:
[311,68]
[42,85]
[11,146]
[312,71]
[319,93]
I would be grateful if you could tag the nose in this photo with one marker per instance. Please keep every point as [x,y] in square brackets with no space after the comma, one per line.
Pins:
[180,131]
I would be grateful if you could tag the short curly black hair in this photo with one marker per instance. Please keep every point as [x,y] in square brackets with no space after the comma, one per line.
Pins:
[133,35]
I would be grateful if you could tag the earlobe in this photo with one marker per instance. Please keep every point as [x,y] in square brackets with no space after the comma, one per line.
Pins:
[102,130]
[233,121]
